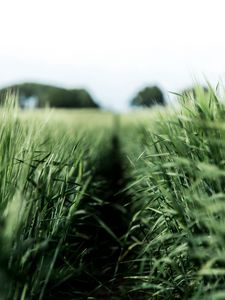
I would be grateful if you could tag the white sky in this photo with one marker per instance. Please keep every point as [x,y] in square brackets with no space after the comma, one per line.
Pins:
[112,47]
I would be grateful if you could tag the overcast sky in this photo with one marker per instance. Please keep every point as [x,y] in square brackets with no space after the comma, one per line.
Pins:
[112,47]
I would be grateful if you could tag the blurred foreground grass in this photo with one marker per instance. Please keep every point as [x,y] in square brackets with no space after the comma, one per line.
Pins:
[97,206]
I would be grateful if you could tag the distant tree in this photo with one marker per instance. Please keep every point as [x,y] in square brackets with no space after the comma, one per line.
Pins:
[148,97]
[50,95]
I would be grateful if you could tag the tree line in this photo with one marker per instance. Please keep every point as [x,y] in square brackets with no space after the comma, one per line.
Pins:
[42,95]
[52,96]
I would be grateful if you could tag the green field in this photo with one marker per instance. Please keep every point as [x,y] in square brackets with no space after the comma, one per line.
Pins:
[96,205]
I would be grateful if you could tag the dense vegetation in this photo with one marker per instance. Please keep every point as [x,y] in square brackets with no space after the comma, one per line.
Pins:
[130,207]
[177,246]
[192,90]
[48,95]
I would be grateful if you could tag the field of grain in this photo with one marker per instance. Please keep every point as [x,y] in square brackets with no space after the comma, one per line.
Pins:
[96,205]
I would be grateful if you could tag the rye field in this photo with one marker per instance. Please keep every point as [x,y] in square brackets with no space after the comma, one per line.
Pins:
[96,205]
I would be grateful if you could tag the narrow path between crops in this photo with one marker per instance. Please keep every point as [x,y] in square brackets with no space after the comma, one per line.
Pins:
[95,243]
